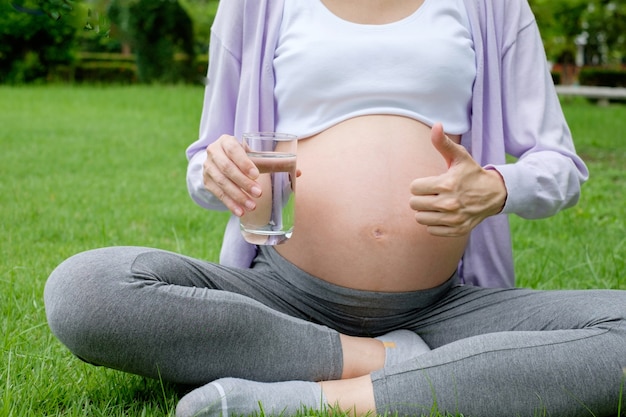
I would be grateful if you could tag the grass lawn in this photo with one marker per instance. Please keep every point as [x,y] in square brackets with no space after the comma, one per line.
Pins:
[83,167]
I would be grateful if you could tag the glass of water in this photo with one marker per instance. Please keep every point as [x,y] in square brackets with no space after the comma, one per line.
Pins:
[274,154]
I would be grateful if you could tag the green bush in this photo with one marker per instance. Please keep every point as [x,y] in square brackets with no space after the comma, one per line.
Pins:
[203,13]
[115,68]
[104,57]
[602,77]
[159,30]
[32,43]
[106,72]
[202,65]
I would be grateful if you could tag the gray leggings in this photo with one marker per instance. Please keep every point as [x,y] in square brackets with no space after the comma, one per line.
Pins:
[496,352]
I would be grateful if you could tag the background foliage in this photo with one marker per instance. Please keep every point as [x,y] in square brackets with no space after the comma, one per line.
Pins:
[600,24]
[37,37]
[31,41]
[158,31]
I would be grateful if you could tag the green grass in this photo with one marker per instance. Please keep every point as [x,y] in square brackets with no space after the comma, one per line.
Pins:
[585,246]
[84,167]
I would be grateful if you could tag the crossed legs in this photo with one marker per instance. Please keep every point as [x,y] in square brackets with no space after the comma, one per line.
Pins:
[495,352]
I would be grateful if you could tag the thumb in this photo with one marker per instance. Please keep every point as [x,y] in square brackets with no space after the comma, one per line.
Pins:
[450,151]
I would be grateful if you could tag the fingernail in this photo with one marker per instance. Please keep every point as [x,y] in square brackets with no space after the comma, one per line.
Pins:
[250,205]
[256,191]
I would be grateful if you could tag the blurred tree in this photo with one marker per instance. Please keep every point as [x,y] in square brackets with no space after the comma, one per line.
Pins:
[34,34]
[53,8]
[561,21]
[203,14]
[97,36]
[159,29]
[161,35]
[598,25]
[605,32]
[31,40]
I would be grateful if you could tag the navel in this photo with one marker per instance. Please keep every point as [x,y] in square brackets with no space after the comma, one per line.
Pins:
[378,233]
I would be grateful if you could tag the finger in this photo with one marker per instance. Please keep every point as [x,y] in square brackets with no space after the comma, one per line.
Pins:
[443,231]
[423,203]
[236,153]
[223,176]
[450,151]
[438,224]
[228,163]
[442,218]
[426,186]
[431,205]
[233,197]
[230,176]
[434,224]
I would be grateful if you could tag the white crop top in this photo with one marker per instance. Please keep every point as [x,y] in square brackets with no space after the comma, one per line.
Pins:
[328,69]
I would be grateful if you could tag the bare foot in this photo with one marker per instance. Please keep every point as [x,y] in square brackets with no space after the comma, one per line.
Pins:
[361,356]
[353,396]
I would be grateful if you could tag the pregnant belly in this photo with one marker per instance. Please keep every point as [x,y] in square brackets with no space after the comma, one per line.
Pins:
[354,226]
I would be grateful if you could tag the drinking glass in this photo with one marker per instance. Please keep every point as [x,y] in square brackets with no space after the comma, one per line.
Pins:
[274,154]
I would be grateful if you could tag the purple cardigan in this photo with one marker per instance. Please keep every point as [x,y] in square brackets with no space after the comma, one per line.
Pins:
[515,111]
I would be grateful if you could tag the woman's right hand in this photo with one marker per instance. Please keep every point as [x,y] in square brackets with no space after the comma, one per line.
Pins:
[230,175]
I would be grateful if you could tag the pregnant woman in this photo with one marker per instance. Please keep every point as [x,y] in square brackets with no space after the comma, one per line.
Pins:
[396,292]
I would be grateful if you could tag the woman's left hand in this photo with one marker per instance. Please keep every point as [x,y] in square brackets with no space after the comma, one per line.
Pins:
[453,203]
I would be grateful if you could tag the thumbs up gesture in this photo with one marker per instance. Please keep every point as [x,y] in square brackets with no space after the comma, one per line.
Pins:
[453,203]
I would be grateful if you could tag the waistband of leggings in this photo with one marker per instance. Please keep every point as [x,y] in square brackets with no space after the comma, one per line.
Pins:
[331,293]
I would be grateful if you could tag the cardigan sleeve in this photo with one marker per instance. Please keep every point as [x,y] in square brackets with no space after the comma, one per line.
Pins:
[218,118]
[547,175]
